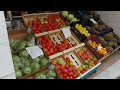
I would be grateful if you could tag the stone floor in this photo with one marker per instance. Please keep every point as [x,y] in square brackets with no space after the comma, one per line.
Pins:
[106,63]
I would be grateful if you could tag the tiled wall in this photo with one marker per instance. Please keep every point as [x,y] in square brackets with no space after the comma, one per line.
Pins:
[112,18]
[6,64]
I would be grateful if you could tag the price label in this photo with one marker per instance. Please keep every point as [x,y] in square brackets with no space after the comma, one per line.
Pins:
[29,30]
[93,21]
[34,51]
[66,31]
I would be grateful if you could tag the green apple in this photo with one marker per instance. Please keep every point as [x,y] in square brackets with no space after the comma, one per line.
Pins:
[41,19]
[71,63]
[83,67]
[58,20]
[86,62]
[60,62]
[90,67]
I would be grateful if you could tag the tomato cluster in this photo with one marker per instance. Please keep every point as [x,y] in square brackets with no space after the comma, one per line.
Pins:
[63,46]
[65,71]
[86,55]
[47,45]
[50,48]
[49,23]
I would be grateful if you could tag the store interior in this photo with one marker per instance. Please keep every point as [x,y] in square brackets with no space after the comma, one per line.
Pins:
[64,44]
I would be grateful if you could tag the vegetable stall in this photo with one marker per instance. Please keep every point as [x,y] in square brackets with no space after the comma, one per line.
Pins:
[70,45]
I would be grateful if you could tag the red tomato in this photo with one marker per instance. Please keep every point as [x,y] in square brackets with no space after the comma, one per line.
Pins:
[64,45]
[65,42]
[64,75]
[66,66]
[43,41]
[48,53]
[61,75]
[40,39]
[60,49]
[49,44]
[70,73]
[57,67]
[45,50]
[70,69]
[71,77]
[55,50]
[67,59]
[68,46]
[48,47]
[34,28]
[43,45]
[67,77]
[82,57]
[66,71]
[51,50]
[62,67]
[45,19]
[45,37]
[95,62]
[59,71]
[74,76]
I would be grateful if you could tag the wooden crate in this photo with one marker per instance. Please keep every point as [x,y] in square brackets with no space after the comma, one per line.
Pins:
[57,37]
[73,57]
[51,56]
[63,58]
[17,34]
[35,16]
[73,40]
[80,47]
[20,35]
[31,75]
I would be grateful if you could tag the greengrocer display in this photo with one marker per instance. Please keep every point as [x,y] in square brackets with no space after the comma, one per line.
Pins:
[73,57]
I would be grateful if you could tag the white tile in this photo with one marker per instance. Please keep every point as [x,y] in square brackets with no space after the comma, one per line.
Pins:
[111,72]
[6,64]
[11,76]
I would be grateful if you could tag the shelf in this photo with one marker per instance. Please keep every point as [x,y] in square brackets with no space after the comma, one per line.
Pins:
[109,54]
[17,17]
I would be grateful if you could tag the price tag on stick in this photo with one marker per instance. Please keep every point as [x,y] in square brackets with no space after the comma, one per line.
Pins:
[34,51]
[66,31]
[93,21]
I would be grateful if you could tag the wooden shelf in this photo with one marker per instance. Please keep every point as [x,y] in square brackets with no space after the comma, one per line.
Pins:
[109,54]
[17,17]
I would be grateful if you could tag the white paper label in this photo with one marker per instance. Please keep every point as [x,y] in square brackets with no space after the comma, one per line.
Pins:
[99,48]
[51,67]
[93,21]
[90,41]
[34,51]
[66,31]
[29,30]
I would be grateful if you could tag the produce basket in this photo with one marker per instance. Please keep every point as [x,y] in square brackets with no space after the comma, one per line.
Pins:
[46,74]
[41,23]
[63,69]
[95,47]
[109,40]
[89,72]
[21,58]
[48,46]
[69,16]
[80,36]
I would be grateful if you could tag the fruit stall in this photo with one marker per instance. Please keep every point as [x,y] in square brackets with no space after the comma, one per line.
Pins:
[61,45]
